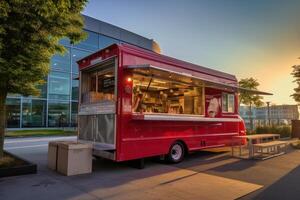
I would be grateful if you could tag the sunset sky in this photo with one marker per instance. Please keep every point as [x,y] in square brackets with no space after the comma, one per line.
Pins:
[248,38]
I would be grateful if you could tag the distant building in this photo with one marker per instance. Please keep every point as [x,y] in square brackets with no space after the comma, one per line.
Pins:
[279,115]
[245,114]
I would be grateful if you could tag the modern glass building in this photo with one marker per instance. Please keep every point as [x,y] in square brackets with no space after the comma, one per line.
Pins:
[56,106]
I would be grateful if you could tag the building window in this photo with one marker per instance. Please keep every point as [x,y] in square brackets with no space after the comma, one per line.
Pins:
[75,87]
[74,111]
[228,102]
[59,85]
[77,55]
[61,62]
[34,113]
[58,113]
[105,41]
[42,90]
[13,113]
[90,43]
[13,95]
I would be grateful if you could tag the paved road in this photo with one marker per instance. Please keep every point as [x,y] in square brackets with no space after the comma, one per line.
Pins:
[30,144]
[33,149]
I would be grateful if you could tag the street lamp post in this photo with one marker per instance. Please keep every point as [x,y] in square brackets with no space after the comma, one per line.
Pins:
[268,105]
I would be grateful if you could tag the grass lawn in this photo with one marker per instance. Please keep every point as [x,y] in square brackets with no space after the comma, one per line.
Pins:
[39,133]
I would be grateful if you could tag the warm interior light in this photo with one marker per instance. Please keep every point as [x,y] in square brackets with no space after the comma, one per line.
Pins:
[108,75]
[158,81]
[129,79]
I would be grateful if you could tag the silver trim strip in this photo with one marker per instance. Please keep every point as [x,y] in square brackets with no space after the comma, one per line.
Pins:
[159,117]
[181,136]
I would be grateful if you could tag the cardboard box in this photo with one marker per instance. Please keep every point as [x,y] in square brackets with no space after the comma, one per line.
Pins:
[74,158]
[52,154]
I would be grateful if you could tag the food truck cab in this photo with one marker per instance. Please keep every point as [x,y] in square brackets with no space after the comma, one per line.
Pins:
[135,103]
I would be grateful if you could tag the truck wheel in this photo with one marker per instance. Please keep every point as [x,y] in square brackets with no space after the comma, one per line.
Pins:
[176,153]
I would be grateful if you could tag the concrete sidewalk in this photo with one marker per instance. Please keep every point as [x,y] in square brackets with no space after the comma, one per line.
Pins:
[280,177]
[155,182]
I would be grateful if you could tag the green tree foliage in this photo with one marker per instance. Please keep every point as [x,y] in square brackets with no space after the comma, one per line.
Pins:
[29,36]
[296,75]
[248,98]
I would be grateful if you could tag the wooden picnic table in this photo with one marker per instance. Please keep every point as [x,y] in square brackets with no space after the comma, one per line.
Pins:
[256,137]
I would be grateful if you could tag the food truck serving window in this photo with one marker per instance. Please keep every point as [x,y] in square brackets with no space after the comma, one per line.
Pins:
[98,85]
[157,91]
[228,102]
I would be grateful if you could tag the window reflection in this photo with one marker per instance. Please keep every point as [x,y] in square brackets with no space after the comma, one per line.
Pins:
[12,113]
[58,114]
[75,87]
[90,43]
[77,55]
[105,41]
[13,95]
[74,111]
[59,85]
[61,62]
[42,89]
[34,113]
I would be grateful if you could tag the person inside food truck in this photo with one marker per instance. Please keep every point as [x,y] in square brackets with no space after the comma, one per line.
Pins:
[163,97]
[137,100]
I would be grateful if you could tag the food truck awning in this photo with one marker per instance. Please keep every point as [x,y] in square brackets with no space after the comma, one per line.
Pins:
[208,83]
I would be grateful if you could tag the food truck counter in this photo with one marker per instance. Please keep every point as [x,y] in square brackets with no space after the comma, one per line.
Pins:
[177,117]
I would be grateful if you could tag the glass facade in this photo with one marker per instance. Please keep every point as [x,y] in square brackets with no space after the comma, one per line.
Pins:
[33,113]
[58,113]
[13,112]
[57,104]
[59,85]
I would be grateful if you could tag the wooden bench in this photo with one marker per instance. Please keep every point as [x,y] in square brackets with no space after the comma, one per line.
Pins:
[272,149]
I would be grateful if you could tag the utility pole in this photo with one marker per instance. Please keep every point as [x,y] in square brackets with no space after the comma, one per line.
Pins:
[268,105]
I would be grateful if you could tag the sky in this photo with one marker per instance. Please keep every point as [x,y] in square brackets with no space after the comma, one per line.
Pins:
[247,38]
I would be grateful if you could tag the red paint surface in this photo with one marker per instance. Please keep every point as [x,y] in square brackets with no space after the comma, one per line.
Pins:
[138,138]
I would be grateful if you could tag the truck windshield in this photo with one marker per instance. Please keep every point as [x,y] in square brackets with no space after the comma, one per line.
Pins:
[98,85]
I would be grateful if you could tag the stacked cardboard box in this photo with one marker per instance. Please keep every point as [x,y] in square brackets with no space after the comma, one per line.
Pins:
[70,158]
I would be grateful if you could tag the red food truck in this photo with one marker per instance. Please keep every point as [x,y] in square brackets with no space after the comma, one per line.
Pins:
[135,103]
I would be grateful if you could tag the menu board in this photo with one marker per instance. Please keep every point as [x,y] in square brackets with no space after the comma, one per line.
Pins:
[108,83]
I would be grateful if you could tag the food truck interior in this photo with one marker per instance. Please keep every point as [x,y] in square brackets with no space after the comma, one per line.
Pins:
[98,84]
[156,91]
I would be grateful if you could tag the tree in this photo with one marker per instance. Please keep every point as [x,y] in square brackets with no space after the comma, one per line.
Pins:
[29,36]
[249,98]
[296,75]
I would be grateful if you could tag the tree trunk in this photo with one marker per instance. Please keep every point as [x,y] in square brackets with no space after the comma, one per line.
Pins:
[3,95]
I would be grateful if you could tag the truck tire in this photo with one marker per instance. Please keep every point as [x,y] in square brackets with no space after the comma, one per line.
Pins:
[176,153]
